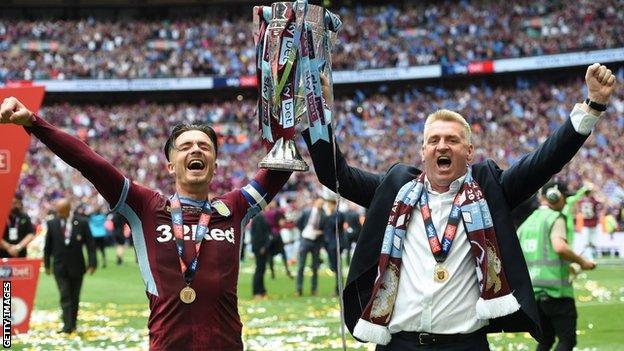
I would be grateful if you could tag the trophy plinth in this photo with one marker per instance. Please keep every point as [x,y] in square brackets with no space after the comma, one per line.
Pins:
[284,156]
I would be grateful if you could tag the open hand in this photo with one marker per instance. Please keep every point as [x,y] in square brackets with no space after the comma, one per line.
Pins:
[600,83]
[13,111]
[13,250]
[588,265]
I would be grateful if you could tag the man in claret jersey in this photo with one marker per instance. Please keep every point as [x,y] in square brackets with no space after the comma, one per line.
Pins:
[187,244]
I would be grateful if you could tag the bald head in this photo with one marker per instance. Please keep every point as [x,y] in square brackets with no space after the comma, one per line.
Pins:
[62,207]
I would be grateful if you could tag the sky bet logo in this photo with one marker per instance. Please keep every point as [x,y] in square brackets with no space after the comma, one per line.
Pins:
[5,161]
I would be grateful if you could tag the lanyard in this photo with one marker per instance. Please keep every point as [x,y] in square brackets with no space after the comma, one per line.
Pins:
[178,231]
[440,251]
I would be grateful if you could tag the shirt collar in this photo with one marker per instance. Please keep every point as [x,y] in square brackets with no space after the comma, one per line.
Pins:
[189,201]
[453,188]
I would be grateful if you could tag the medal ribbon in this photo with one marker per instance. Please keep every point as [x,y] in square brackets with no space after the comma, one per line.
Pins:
[284,69]
[263,71]
[440,251]
[178,231]
[285,55]
[313,63]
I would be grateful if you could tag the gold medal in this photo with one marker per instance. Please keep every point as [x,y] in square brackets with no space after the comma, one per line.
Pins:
[440,274]
[187,295]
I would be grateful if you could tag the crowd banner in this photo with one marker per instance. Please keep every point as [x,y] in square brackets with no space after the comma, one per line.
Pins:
[388,74]
[19,280]
[14,142]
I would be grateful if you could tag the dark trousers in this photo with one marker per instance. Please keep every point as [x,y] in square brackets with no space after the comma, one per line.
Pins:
[100,244]
[69,289]
[558,317]
[333,263]
[312,247]
[475,342]
[258,277]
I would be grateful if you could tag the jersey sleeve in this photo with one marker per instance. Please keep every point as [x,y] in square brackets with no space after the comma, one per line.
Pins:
[134,201]
[262,189]
[108,181]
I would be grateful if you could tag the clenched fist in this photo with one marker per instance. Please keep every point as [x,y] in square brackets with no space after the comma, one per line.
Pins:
[13,111]
[600,83]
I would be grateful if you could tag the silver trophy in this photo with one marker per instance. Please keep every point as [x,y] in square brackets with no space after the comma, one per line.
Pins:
[293,41]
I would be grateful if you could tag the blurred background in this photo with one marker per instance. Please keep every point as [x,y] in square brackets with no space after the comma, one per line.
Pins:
[119,74]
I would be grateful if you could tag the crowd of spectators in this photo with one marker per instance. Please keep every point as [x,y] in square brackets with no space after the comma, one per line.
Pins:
[506,121]
[221,43]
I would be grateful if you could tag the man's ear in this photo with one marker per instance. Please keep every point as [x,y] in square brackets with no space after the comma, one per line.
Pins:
[470,154]
[170,168]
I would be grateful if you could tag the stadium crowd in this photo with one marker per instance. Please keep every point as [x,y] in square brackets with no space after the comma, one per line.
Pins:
[506,121]
[220,42]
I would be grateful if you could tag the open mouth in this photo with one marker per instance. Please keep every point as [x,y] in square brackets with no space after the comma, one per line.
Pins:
[196,165]
[444,162]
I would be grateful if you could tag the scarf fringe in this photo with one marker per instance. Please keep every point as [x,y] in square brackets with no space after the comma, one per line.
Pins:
[497,307]
[369,332]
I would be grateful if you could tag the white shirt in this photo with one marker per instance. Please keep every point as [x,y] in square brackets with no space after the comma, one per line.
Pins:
[311,230]
[424,305]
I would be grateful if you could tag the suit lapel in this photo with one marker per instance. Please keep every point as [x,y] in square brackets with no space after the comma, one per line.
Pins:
[367,257]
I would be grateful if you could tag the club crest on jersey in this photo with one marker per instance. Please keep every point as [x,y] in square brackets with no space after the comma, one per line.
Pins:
[221,208]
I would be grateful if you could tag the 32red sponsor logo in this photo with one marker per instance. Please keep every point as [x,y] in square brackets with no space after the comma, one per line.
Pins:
[165,234]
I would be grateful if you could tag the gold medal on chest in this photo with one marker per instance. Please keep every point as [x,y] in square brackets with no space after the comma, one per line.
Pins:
[440,274]
[187,295]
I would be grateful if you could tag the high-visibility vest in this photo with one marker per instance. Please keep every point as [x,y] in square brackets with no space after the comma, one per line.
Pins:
[549,272]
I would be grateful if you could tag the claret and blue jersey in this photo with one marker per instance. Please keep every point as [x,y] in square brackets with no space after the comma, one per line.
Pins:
[212,321]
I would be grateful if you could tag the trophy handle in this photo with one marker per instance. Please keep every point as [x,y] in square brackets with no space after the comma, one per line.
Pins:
[284,156]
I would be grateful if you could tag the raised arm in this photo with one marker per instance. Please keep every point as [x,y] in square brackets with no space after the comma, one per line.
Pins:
[571,200]
[355,184]
[264,186]
[533,170]
[106,178]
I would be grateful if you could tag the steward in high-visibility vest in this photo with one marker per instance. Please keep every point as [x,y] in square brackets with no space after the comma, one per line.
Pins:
[549,272]
[544,239]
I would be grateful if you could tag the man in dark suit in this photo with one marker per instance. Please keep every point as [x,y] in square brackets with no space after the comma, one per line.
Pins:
[413,290]
[66,236]
[353,228]
[260,243]
[310,224]
[333,219]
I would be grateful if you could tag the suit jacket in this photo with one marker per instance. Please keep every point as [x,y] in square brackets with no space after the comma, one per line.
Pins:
[303,219]
[354,226]
[329,229]
[503,189]
[260,234]
[69,259]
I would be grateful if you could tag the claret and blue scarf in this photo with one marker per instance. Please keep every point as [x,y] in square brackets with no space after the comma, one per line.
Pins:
[496,299]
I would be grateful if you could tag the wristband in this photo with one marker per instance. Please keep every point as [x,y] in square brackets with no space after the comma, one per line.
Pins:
[595,105]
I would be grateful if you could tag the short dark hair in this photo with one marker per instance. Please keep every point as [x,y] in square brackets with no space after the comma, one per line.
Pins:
[181,128]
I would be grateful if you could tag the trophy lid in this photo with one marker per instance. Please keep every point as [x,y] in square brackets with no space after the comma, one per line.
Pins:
[280,10]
